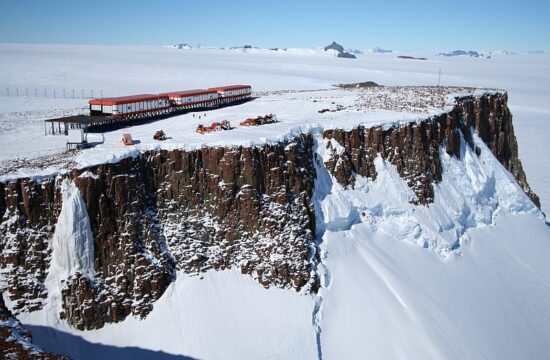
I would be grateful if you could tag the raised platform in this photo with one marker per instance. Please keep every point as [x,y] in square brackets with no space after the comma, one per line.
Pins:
[63,124]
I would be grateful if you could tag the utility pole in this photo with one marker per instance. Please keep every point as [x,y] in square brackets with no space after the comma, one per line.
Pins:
[439,78]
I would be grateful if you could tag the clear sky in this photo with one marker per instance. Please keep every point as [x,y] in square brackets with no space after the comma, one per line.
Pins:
[395,24]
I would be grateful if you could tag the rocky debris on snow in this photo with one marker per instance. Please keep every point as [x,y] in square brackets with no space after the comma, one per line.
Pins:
[358,85]
[16,342]
[406,57]
[412,99]
[244,47]
[64,160]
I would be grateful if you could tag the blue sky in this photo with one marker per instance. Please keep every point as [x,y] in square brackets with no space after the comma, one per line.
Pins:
[398,24]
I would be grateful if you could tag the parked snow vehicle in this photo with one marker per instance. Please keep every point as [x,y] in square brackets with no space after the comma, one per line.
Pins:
[159,135]
[260,120]
[215,126]
[127,139]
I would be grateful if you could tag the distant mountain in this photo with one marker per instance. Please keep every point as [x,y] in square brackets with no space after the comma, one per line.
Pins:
[355,51]
[335,46]
[382,51]
[502,52]
[470,53]
[244,47]
[340,50]
[182,46]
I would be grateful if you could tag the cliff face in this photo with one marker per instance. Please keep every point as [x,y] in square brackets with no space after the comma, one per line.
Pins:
[414,148]
[165,211]
[217,208]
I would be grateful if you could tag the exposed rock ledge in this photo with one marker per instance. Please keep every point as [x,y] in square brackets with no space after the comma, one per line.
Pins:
[216,208]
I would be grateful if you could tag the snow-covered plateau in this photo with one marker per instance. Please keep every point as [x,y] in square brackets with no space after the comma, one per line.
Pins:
[442,255]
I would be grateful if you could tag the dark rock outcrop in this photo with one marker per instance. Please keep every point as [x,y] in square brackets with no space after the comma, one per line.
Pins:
[161,212]
[414,147]
[346,55]
[218,208]
[340,50]
[335,46]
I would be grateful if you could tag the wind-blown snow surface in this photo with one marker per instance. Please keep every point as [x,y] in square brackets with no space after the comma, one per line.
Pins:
[490,301]
[483,291]
[466,277]
[221,315]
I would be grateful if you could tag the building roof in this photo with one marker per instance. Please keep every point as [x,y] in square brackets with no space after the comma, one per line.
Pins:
[79,119]
[126,99]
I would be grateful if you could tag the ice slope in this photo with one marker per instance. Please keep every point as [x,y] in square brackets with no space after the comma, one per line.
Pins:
[463,278]
[388,299]
[221,315]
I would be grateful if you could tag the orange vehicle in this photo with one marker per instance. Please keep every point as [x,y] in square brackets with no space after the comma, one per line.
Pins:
[159,135]
[215,126]
[127,139]
[260,120]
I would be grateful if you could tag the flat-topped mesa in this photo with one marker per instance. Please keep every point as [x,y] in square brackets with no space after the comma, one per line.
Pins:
[245,207]
[212,208]
[414,147]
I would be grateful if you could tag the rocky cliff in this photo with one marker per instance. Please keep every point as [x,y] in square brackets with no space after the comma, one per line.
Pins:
[161,212]
[217,208]
[414,147]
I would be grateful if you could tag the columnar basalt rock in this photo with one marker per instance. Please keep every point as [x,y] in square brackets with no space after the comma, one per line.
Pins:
[414,147]
[30,209]
[248,208]
[164,211]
